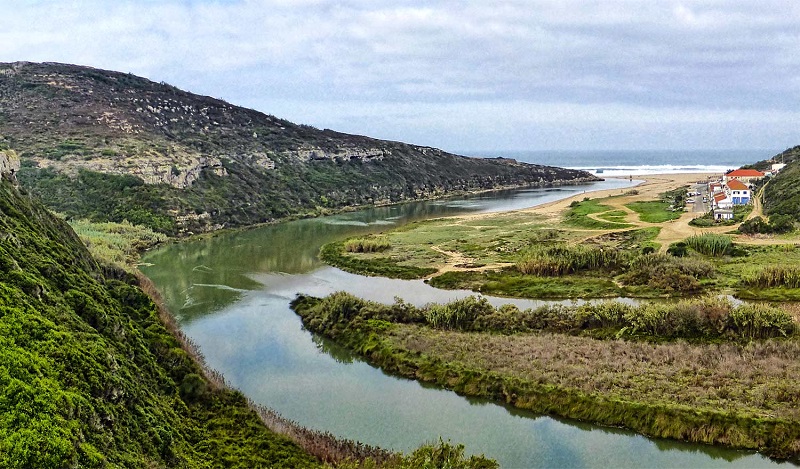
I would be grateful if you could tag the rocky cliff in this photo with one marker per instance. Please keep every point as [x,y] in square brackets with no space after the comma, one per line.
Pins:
[109,145]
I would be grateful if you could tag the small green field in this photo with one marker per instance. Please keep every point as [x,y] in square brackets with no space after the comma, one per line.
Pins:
[654,211]
[605,217]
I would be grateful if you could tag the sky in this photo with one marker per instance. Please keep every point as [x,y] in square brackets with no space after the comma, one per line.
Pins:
[465,76]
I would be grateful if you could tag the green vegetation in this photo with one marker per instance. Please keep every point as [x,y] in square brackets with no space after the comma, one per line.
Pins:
[557,260]
[333,254]
[740,212]
[510,282]
[711,244]
[777,224]
[91,376]
[654,211]
[727,386]
[441,455]
[371,244]
[242,167]
[116,244]
[668,273]
[579,216]
[102,197]
[782,194]
[670,207]
[775,276]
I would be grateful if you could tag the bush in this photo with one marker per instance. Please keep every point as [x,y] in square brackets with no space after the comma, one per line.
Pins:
[679,249]
[668,273]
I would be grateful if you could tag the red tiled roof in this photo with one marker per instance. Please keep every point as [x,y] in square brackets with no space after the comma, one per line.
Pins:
[745,173]
[720,197]
[737,185]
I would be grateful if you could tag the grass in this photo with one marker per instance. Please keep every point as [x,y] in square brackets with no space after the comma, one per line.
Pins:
[117,244]
[709,244]
[334,253]
[372,244]
[578,216]
[559,259]
[654,211]
[514,284]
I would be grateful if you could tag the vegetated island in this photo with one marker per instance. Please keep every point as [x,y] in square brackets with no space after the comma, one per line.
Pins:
[110,146]
[703,369]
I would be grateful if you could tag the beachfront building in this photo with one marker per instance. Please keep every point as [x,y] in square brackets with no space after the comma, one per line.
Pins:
[737,192]
[744,175]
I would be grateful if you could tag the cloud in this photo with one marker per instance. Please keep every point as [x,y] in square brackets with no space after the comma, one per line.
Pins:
[541,57]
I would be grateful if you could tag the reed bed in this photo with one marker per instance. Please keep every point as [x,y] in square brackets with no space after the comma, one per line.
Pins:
[554,261]
[775,276]
[710,244]
[367,245]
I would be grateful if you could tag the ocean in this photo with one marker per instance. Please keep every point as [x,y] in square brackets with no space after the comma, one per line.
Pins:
[637,162]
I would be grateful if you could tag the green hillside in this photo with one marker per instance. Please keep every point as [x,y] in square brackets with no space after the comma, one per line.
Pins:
[782,193]
[90,376]
[112,146]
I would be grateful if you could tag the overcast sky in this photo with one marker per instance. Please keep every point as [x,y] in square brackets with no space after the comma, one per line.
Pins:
[459,75]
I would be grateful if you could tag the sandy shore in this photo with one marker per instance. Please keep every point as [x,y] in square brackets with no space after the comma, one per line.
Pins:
[653,185]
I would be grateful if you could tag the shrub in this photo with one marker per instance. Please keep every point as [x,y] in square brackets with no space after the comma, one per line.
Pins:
[367,245]
[668,273]
[678,249]
[755,225]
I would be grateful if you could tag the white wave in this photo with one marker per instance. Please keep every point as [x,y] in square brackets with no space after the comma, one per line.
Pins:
[639,170]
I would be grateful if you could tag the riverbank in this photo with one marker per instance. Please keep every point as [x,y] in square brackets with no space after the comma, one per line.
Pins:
[735,394]
[592,245]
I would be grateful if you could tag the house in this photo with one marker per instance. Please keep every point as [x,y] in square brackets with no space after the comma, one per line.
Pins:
[721,200]
[744,175]
[777,167]
[723,214]
[737,192]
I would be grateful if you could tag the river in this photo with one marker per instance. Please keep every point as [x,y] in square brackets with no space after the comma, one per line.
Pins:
[230,294]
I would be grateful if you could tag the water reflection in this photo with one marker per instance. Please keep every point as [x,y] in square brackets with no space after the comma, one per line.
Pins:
[231,295]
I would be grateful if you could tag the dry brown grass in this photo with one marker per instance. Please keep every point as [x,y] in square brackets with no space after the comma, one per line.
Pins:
[755,379]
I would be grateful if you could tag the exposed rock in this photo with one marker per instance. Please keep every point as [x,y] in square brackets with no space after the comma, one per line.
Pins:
[9,164]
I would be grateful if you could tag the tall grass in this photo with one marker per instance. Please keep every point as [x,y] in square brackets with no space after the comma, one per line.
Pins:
[367,245]
[562,259]
[775,276]
[710,244]
[116,244]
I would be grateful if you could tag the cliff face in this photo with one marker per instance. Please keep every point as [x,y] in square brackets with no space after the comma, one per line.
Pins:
[180,162]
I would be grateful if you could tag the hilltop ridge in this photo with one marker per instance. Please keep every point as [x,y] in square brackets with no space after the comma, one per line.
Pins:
[110,146]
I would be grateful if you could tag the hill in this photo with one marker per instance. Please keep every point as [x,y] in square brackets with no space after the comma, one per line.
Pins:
[111,146]
[91,377]
[782,193]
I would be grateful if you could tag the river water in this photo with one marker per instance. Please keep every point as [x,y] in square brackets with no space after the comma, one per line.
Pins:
[231,294]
